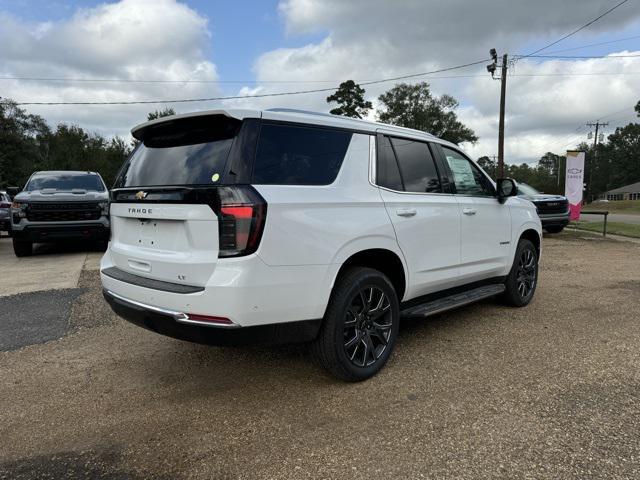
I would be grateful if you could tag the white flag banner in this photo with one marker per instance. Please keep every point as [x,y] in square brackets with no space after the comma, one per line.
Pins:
[574,182]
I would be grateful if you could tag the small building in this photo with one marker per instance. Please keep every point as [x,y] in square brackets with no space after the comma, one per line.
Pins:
[629,192]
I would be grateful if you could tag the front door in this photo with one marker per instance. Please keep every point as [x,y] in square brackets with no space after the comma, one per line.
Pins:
[485,224]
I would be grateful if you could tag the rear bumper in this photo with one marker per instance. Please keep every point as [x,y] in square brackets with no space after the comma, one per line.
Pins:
[177,325]
[57,232]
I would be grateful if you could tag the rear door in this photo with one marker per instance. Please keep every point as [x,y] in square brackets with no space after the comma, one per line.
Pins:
[168,213]
[485,224]
[423,212]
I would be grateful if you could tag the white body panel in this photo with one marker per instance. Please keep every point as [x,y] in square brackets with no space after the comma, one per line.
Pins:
[429,238]
[310,232]
[485,246]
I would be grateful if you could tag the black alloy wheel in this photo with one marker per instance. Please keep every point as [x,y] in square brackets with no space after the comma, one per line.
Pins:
[367,326]
[527,273]
[360,325]
[521,283]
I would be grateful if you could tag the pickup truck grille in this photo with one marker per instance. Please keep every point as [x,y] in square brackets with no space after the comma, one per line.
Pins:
[554,206]
[63,212]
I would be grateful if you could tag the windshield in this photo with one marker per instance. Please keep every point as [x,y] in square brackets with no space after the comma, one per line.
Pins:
[66,182]
[524,189]
[191,151]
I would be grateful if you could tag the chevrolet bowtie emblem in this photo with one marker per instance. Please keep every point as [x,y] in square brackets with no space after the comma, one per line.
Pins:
[140,195]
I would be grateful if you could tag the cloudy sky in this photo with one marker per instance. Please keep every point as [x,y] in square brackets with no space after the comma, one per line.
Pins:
[132,50]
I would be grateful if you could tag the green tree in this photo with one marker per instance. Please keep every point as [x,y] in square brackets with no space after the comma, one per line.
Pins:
[23,144]
[414,106]
[28,144]
[350,98]
[622,152]
[165,112]
[489,166]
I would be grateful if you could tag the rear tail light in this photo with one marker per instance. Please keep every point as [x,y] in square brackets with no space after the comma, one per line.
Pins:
[5,205]
[241,217]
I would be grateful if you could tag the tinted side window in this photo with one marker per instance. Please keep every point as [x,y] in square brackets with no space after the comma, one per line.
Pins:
[387,167]
[417,168]
[291,155]
[466,176]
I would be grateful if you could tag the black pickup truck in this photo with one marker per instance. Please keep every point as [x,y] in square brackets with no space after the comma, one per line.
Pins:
[553,210]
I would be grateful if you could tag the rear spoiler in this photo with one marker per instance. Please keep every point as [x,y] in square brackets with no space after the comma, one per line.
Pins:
[138,131]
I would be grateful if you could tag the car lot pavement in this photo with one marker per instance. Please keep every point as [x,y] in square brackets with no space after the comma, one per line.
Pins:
[51,267]
[548,391]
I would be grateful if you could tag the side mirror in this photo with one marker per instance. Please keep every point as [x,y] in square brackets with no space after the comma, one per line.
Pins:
[507,187]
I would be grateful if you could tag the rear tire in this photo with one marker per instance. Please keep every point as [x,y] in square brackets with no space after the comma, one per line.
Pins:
[554,229]
[360,325]
[523,278]
[22,248]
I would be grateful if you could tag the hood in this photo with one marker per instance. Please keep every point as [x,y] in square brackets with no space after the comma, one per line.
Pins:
[48,195]
[543,197]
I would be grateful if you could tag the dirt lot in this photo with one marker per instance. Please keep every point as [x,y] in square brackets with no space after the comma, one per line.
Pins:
[549,391]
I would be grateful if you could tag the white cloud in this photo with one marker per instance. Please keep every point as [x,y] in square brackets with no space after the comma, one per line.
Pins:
[372,39]
[131,39]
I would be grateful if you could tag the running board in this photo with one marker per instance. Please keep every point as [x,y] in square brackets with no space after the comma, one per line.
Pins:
[453,301]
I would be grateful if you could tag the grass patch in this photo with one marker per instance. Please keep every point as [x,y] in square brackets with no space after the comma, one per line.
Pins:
[616,228]
[621,206]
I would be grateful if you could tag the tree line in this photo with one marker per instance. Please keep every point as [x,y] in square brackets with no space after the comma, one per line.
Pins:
[28,143]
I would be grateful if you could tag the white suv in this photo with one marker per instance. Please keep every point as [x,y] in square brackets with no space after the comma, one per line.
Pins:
[232,226]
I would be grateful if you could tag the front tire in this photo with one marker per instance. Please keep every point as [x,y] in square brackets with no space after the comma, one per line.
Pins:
[523,278]
[360,325]
[22,248]
[554,229]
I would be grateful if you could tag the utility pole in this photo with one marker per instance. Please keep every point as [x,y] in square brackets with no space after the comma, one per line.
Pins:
[592,161]
[491,68]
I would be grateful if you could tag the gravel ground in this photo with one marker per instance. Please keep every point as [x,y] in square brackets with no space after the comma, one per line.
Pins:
[548,391]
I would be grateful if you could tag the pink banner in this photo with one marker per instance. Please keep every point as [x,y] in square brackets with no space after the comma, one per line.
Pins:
[574,211]
[574,183]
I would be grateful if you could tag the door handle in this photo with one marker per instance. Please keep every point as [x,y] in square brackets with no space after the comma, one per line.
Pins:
[406,212]
[469,211]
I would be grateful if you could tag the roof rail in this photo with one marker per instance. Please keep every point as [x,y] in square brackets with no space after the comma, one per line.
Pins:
[350,119]
[308,112]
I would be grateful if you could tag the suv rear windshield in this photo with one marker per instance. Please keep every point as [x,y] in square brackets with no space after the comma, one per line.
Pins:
[65,182]
[190,151]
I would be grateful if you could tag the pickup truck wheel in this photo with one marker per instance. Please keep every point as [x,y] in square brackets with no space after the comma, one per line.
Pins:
[360,325]
[523,278]
[22,248]
[555,229]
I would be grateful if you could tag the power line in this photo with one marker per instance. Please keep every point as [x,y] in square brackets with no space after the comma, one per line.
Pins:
[444,77]
[262,95]
[571,57]
[577,30]
[594,45]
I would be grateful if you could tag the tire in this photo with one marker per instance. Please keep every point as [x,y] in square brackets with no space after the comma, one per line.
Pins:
[360,326]
[22,248]
[523,278]
[554,229]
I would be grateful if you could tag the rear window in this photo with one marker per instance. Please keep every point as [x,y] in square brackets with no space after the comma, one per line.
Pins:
[292,155]
[65,182]
[191,151]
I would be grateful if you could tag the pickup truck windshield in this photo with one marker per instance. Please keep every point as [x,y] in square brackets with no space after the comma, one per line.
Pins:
[524,189]
[63,182]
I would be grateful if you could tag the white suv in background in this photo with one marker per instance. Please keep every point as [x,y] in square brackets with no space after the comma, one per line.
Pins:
[281,225]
